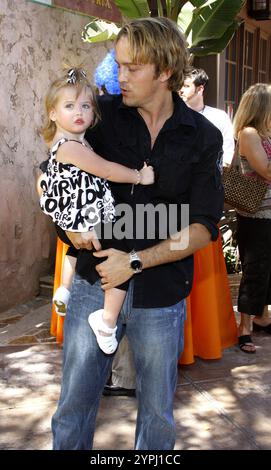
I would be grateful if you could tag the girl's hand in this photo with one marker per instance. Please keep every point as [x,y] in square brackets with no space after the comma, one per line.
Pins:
[146,174]
[86,240]
[38,188]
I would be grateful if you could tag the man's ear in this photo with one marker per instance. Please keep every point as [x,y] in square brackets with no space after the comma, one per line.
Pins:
[164,76]
[200,90]
[52,114]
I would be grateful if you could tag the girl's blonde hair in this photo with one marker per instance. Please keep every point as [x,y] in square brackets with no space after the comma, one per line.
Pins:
[75,78]
[158,41]
[254,110]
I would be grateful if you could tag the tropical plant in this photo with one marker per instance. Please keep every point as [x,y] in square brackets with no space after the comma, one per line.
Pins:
[208,24]
[232,260]
[228,226]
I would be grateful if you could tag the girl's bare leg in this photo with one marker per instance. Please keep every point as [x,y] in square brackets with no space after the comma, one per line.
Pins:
[68,271]
[62,294]
[103,322]
[113,300]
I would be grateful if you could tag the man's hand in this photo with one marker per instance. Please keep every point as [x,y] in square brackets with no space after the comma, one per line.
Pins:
[86,240]
[115,270]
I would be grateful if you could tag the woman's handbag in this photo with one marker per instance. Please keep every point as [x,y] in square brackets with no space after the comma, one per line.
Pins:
[242,192]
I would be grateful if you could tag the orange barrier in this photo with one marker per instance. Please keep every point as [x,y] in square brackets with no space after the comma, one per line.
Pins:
[57,321]
[210,326]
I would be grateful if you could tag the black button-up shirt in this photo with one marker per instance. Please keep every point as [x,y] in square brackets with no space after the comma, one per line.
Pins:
[186,157]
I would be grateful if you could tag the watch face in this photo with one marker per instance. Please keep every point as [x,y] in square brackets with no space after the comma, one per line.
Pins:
[136,264]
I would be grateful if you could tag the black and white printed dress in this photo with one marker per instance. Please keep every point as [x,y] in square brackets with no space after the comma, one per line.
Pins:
[73,198]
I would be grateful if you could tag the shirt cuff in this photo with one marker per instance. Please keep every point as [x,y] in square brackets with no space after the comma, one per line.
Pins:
[212,227]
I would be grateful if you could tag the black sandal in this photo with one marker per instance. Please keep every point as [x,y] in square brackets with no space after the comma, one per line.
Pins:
[245,340]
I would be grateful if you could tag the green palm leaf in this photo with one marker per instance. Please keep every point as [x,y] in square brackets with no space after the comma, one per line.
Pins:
[208,24]
[214,46]
[99,30]
[133,8]
[212,21]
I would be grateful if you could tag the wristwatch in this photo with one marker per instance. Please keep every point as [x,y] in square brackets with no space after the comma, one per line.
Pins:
[135,262]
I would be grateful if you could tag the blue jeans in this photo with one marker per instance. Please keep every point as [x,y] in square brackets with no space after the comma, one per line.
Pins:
[156,339]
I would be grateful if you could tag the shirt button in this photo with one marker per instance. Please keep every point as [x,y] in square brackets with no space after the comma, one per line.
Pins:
[186,282]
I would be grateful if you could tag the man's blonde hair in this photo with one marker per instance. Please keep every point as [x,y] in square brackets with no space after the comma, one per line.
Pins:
[158,41]
[254,110]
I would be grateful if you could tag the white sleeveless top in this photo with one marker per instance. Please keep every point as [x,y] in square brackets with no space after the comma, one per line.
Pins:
[73,198]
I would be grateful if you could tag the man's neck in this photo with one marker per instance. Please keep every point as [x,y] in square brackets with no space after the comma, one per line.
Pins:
[157,111]
[197,105]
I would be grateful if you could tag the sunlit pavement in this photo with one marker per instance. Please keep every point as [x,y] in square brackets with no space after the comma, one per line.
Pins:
[221,404]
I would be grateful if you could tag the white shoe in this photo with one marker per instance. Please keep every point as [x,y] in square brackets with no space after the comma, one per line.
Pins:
[108,344]
[60,300]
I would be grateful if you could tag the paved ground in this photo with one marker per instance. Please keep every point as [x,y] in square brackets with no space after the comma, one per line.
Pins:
[223,404]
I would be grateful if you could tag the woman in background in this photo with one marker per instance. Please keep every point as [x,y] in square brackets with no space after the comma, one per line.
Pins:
[252,127]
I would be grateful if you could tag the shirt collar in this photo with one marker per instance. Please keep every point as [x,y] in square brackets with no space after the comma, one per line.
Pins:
[182,114]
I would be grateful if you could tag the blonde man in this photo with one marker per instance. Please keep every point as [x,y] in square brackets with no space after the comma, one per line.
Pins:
[149,121]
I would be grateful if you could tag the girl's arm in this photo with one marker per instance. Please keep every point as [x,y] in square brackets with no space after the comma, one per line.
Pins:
[38,188]
[250,146]
[87,160]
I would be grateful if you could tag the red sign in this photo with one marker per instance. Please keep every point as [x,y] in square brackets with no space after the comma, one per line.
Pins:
[104,9]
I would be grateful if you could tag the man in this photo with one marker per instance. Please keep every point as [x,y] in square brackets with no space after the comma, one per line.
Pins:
[149,122]
[192,92]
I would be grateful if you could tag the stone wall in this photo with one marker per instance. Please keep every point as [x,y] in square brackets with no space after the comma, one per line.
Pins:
[34,42]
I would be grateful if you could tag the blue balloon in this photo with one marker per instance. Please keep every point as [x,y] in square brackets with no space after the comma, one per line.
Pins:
[106,74]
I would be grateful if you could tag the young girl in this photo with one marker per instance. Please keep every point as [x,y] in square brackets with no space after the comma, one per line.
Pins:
[62,293]
[106,80]
[74,191]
